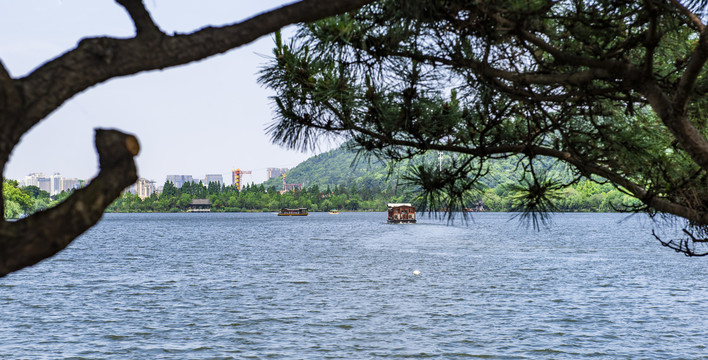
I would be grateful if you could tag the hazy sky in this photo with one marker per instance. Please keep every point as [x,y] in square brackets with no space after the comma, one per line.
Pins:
[201,118]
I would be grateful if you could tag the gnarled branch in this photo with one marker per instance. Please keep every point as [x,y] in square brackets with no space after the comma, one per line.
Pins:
[695,19]
[144,26]
[686,246]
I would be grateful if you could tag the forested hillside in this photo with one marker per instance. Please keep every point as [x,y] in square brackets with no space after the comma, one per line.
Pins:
[336,167]
[497,188]
[342,167]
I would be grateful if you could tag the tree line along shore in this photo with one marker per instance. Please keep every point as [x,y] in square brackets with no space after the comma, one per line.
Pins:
[585,196]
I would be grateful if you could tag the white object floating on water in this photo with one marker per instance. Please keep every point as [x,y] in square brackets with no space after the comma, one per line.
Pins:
[416,272]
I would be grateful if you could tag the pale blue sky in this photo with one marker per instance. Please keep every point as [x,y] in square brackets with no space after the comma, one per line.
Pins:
[202,118]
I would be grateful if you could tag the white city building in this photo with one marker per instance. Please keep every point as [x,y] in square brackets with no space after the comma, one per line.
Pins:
[217,178]
[53,184]
[179,180]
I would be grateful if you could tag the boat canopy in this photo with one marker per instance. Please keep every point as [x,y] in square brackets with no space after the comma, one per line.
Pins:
[399,204]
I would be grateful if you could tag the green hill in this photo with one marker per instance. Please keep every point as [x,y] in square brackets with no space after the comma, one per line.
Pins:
[342,168]
[334,168]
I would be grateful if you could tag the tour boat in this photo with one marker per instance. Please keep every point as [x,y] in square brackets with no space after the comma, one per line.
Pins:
[334,211]
[293,212]
[403,213]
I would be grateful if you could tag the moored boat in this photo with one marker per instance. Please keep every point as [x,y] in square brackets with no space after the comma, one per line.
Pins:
[402,213]
[293,212]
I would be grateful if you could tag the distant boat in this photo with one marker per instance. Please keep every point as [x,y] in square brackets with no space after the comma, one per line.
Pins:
[293,212]
[403,213]
[334,211]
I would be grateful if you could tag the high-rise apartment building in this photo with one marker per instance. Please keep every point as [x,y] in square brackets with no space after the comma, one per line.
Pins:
[179,180]
[55,184]
[32,180]
[143,188]
[217,178]
[45,184]
[70,183]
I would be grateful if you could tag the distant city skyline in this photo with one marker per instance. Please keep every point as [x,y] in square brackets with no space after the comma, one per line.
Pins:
[159,182]
[52,184]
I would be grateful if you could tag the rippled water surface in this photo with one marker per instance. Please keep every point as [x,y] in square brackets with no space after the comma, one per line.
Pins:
[238,286]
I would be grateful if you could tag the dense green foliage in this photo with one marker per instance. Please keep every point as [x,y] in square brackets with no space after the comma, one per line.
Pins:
[256,198]
[26,200]
[613,89]
[586,196]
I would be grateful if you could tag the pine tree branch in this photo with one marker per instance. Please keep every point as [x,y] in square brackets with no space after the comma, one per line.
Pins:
[690,76]
[562,57]
[656,202]
[693,18]
[671,111]
[576,78]
[652,39]
[678,123]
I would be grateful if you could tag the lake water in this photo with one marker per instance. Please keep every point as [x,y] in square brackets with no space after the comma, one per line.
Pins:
[240,286]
